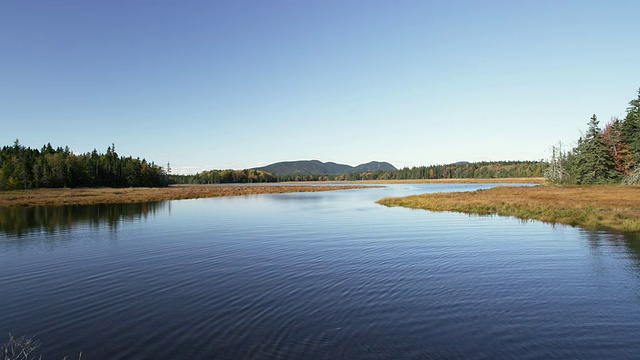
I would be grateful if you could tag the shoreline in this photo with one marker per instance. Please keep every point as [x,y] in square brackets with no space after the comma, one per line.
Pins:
[596,207]
[90,196]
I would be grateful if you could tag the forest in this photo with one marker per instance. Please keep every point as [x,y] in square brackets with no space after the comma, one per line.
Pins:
[461,170]
[25,168]
[225,177]
[606,155]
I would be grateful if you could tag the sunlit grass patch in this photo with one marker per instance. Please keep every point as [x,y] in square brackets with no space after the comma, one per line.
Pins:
[85,196]
[592,207]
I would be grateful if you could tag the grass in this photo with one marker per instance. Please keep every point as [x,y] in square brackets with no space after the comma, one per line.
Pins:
[86,196]
[23,348]
[609,207]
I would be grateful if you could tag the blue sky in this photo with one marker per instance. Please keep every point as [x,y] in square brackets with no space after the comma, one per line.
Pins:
[238,84]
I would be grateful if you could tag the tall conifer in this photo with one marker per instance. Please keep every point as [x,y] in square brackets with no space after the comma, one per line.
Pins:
[631,128]
[593,162]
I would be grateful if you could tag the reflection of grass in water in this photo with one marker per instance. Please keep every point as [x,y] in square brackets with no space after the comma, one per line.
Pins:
[23,220]
[610,207]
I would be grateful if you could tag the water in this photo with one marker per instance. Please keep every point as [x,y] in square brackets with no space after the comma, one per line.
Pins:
[326,275]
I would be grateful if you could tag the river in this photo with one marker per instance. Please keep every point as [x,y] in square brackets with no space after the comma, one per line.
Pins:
[326,275]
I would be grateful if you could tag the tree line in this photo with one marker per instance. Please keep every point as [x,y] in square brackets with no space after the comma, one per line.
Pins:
[25,168]
[461,170]
[228,176]
[602,155]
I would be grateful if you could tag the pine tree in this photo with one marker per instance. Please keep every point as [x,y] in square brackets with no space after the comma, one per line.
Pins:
[592,162]
[631,129]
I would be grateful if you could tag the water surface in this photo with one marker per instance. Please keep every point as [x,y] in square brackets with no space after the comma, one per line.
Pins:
[317,276]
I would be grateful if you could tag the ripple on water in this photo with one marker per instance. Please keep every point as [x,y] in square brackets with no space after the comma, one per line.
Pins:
[322,276]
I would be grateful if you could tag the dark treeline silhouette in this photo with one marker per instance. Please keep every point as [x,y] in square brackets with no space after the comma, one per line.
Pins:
[602,155]
[25,168]
[461,170]
[225,177]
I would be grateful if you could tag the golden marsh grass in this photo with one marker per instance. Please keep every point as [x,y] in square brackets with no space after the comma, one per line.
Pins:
[85,196]
[608,207]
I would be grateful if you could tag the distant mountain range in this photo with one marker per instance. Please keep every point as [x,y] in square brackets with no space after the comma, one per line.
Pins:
[315,167]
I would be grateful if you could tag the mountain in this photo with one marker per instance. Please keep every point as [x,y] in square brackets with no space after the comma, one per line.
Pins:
[374,166]
[315,167]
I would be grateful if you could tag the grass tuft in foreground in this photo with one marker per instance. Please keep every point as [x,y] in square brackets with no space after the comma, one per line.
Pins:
[23,348]
[609,207]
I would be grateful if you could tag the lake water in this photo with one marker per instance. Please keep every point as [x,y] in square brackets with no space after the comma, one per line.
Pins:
[328,275]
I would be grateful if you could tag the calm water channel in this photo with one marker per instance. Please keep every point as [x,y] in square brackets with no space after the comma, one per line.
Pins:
[314,276]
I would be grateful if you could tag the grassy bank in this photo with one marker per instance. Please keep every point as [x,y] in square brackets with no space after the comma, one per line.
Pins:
[592,207]
[86,196]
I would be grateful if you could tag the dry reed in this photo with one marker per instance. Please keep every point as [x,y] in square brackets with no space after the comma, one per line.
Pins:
[85,196]
[592,207]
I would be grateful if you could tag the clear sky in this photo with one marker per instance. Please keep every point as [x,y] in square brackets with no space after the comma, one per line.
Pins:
[238,84]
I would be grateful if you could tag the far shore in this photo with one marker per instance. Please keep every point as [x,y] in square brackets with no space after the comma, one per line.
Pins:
[606,207]
[519,180]
[87,196]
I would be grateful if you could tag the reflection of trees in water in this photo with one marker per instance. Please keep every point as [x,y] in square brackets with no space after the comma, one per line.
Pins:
[630,241]
[22,221]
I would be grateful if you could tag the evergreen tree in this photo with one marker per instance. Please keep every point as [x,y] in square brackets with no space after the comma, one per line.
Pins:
[26,168]
[591,161]
[631,129]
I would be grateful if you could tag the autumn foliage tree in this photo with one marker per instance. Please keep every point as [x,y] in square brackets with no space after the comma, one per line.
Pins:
[618,148]
[610,154]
